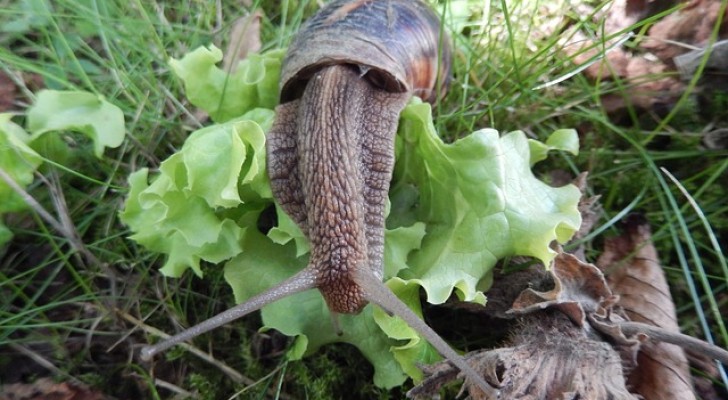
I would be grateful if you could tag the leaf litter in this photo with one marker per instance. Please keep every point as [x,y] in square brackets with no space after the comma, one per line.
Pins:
[583,335]
[646,64]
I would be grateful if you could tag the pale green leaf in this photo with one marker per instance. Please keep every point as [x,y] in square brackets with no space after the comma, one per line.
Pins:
[413,350]
[214,158]
[18,160]
[224,95]
[183,212]
[287,230]
[480,202]
[77,111]
[298,349]
[562,139]
[398,244]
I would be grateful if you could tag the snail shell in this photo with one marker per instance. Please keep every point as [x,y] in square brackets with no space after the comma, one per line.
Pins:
[396,44]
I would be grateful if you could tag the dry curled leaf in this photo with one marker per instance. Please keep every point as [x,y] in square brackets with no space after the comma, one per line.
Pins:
[634,273]
[555,353]
[579,288]
[580,340]
[688,27]
[244,39]
[551,358]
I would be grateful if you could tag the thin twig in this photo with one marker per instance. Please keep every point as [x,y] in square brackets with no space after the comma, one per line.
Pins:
[44,362]
[65,228]
[59,202]
[686,342]
[29,200]
[174,388]
[227,370]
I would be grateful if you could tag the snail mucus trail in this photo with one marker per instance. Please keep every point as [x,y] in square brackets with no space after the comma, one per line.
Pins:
[345,79]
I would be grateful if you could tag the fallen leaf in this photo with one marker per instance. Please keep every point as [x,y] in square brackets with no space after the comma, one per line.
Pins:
[645,82]
[244,39]
[47,389]
[635,275]
[579,339]
[7,92]
[677,32]
[554,353]
[579,288]
[717,61]
[590,210]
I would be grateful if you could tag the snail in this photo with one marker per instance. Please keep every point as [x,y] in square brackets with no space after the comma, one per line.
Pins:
[344,81]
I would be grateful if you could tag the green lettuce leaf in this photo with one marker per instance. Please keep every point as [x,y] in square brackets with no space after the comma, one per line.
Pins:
[562,139]
[19,162]
[185,212]
[77,111]
[226,95]
[480,201]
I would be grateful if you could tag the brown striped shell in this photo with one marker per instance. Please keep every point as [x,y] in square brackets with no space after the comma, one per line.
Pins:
[395,44]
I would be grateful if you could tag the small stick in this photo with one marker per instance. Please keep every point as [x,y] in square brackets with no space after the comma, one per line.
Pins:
[686,342]
[227,370]
[300,282]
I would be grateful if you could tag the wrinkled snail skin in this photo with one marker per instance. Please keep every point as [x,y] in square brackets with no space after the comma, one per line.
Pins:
[347,75]
[344,151]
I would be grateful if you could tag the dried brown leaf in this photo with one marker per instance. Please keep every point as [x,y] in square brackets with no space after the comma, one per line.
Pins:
[576,341]
[244,39]
[554,353]
[554,359]
[647,85]
[634,273]
[47,389]
[7,92]
[677,32]
[550,358]
[579,288]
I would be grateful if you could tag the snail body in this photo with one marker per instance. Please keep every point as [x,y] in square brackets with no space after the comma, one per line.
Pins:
[345,79]
[330,152]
